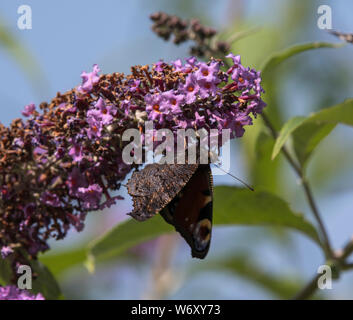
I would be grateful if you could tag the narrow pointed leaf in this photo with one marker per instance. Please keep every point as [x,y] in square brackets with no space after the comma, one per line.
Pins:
[285,132]
[232,206]
[278,57]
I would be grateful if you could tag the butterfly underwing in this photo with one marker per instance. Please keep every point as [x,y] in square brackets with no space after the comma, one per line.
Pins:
[348,37]
[182,194]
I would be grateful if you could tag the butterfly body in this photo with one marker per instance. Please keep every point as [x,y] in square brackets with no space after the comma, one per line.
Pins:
[182,194]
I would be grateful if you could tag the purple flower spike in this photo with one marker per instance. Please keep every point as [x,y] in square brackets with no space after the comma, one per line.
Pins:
[29,210]
[208,72]
[29,109]
[95,128]
[155,106]
[178,65]
[89,80]
[106,112]
[13,293]
[190,89]
[50,199]
[76,153]
[174,101]
[91,196]
[72,146]
[158,66]
[75,181]
[236,59]
[5,251]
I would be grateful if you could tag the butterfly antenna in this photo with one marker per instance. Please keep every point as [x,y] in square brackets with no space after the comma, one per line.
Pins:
[236,178]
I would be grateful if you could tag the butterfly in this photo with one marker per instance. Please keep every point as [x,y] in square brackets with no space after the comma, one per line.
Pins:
[182,194]
[348,37]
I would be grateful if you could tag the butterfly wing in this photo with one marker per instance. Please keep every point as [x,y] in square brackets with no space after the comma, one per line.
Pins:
[155,186]
[190,212]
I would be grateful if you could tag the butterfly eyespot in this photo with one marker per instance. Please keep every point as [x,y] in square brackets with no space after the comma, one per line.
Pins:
[202,234]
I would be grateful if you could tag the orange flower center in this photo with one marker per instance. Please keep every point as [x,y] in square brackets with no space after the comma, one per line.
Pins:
[205,72]
[156,107]
[191,88]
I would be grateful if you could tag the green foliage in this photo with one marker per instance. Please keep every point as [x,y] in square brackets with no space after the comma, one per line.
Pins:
[238,206]
[45,283]
[307,137]
[5,272]
[272,79]
[43,280]
[308,132]
[62,261]
[265,171]
[232,206]
[124,236]
[279,57]
[285,132]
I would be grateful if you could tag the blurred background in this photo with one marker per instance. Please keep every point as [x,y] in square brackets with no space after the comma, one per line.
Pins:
[244,262]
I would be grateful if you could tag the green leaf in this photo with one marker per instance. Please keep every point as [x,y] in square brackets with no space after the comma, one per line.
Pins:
[264,171]
[341,113]
[5,272]
[285,132]
[126,235]
[278,57]
[236,36]
[59,262]
[260,208]
[232,206]
[45,282]
[309,133]
[307,137]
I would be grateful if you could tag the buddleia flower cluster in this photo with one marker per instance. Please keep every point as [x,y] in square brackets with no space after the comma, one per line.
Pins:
[65,159]
[11,292]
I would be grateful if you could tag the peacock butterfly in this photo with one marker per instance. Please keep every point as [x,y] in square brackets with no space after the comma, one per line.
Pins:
[182,194]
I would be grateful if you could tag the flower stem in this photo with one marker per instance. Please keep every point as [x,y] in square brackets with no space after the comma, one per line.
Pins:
[339,261]
[307,189]
[308,290]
